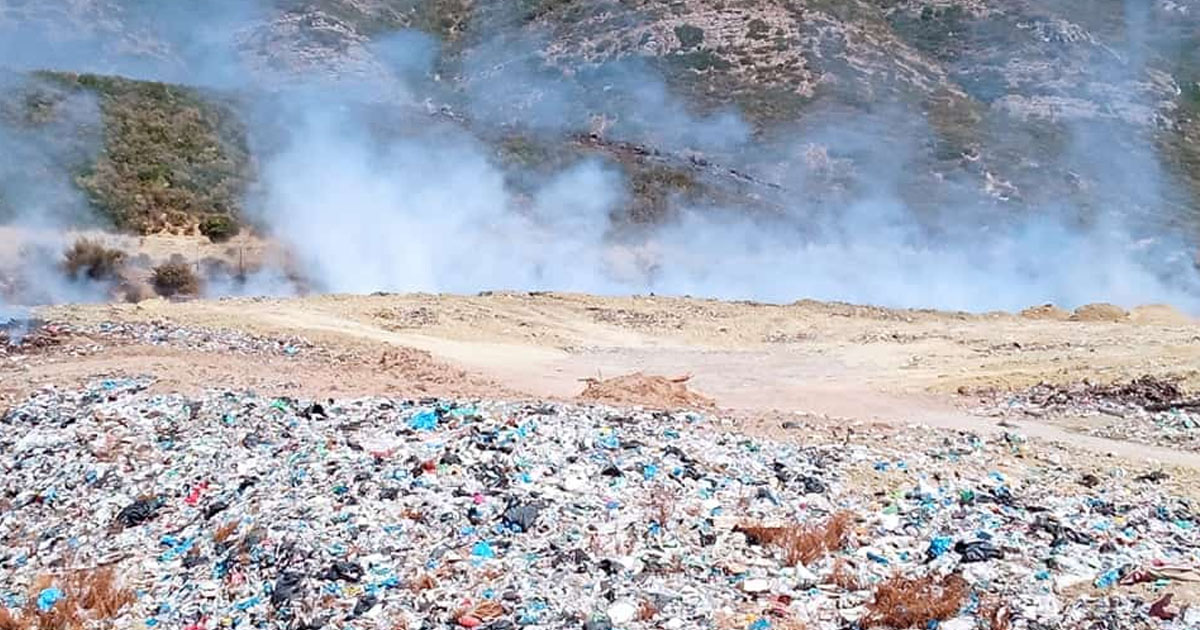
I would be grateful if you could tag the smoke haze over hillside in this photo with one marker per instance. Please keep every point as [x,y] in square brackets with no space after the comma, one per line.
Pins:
[391,181]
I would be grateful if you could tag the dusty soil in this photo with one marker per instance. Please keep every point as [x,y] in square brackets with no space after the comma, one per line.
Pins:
[834,362]
[245,253]
[156,248]
[646,390]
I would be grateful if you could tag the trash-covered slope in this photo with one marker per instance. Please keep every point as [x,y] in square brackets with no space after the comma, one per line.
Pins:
[230,509]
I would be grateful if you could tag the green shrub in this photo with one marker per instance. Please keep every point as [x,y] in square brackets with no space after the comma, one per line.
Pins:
[758,29]
[939,32]
[219,227]
[170,154]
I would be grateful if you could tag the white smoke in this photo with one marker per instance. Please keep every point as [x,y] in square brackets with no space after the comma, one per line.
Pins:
[375,187]
[39,201]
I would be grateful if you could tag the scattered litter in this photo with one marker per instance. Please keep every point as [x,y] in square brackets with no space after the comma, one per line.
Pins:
[1146,410]
[386,512]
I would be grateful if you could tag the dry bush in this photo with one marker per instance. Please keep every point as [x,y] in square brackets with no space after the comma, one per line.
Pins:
[61,617]
[843,577]
[175,278]
[97,591]
[89,597]
[646,610]
[211,267]
[225,531]
[803,544]
[914,602]
[995,612]
[134,291]
[92,260]
[487,609]
[662,504]
[9,621]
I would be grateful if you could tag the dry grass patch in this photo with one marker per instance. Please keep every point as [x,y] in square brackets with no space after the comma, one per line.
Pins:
[902,602]
[803,544]
[91,598]
[90,259]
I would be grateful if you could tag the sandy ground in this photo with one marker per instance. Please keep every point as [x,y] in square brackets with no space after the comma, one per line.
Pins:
[157,248]
[834,362]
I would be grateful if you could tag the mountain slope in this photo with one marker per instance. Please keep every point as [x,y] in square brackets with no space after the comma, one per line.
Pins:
[1004,107]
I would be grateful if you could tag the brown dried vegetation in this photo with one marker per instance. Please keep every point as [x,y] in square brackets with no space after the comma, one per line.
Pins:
[487,609]
[995,612]
[92,260]
[422,582]
[225,531]
[803,544]
[8,621]
[175,278]
[646,610]
[89,597]
[902,602]
[843,577]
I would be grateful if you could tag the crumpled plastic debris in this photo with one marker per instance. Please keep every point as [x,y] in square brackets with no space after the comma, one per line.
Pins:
[1160,609]
[48,598]
[1146,410]
[138,512]
[230,510]
[1152,573]
[523,517]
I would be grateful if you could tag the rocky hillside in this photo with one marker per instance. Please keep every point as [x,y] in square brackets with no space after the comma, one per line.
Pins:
[1000,105]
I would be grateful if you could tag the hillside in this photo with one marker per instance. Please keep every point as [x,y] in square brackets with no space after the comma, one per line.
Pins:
[679,148]
[1003,87]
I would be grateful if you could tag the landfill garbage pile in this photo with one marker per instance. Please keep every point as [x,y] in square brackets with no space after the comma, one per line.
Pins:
[1147,410]
[20,339]
[23,341]
[161,333]
[120,508]
[19,335]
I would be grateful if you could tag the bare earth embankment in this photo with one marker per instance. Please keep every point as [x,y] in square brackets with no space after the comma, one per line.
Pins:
[810,358]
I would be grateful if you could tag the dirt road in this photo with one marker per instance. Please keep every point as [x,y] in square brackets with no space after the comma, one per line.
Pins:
[816,359]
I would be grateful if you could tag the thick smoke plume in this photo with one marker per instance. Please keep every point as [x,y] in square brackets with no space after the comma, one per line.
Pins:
[38,201]
[393,183]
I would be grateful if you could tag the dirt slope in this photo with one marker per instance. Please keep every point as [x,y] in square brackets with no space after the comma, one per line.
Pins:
[813,359]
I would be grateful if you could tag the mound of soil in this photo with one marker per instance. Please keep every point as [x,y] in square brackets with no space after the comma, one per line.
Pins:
[1160,314]
[1100,312]
[648,391]
[1046,311]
